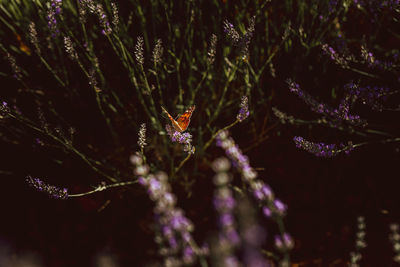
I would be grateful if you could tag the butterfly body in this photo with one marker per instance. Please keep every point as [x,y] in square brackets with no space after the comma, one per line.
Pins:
[182,122]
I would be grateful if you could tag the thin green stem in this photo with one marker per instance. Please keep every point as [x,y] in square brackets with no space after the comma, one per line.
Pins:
[217,133]
[183,162]
[64,144]
[102,188]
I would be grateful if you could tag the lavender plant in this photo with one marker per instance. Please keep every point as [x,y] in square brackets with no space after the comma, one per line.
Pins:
[81,78]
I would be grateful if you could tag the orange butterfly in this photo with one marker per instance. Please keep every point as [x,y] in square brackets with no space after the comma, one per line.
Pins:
[183,121]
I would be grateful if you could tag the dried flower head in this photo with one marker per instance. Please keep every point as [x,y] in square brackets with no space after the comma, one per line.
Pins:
[82,6]
[355,256]
[157,52]
[33,37]
[394,238]
[212,50]
[93,80]
[115,17]
[69,48]
[142,136]
[139,51]
[15,68]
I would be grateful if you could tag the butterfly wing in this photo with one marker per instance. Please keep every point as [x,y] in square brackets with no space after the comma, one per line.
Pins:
[184,120]
[175,124]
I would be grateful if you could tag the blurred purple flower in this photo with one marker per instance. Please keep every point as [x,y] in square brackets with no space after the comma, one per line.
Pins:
[175,227]
[261,191]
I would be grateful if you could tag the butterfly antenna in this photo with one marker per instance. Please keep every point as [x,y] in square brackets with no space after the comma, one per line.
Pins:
[163,109]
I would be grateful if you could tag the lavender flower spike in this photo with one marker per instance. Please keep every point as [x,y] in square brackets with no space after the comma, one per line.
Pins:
[224,204]
[175,235]
[261,191]
[51,190]
[244,109]
[322,149]
[182,138]
[54,9]
[142,136]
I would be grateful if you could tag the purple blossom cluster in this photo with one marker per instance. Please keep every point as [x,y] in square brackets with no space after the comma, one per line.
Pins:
[175,229]
[261,191]
[343,59]
[182,138]
[340,60]
[231,32]
[332,6]
[373,96]
[372,62]
[284,242]
[54,9]
[244,109]
[336,116]
[4,109]
[51,190]
[253,236]
[224,204]
[242,42]
[105,24]
[322,149]
[95,8]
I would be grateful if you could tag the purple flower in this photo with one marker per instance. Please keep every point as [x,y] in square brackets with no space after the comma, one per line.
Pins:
[267,212]
[53,11]
[261,191]
[188,255]
[244,109]
[51,190]
[322,149]
[280,207]
[224,204]
[336,116]
[182,138]
[242,42]
[175,227]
